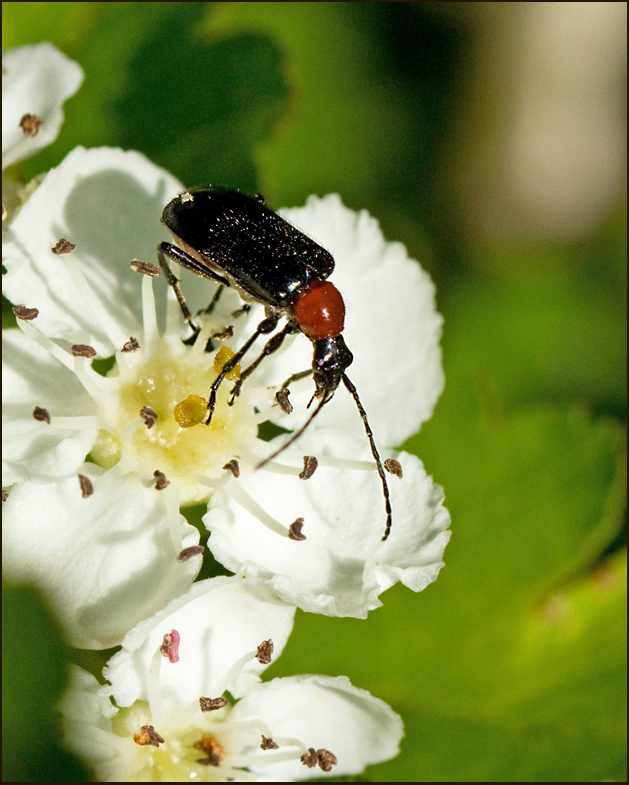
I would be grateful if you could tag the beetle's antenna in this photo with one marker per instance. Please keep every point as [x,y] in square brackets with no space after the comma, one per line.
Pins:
[296,435]
[374,451]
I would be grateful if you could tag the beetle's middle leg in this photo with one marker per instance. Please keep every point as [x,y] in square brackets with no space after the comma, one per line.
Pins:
[266,326]
[272,345]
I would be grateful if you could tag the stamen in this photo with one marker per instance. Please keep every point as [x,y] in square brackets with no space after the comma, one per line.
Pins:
[171,498]
[310,467]
[83,350]
[149,315]
[189,553]
[268,744]
[160,480]
[87,489]
[148,736]
[264,654]
[41,415]
[239,495]
[170,646]
[149,416]
[213,704]
[393,466]
[49,346]
[63,246]
[225,682]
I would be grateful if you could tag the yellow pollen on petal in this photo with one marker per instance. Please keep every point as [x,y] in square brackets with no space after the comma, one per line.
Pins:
[191,411]
[223,356]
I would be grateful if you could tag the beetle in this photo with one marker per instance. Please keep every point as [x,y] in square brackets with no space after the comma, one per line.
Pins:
[237,240]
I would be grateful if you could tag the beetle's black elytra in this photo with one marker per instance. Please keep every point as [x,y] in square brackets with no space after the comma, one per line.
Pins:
[238,241]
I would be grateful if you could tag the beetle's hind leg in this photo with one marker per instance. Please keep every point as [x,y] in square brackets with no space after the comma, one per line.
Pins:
[272,345]
[175,254]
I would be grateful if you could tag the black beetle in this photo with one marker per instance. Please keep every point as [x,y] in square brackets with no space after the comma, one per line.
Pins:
[238,241]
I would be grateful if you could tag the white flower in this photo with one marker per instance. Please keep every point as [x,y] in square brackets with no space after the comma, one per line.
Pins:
[227,632]
[107,203]
[36,81]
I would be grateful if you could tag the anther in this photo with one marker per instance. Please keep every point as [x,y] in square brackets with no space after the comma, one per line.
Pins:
[5,494]
[160,480]
[326,759]
[188,553]
[63,246]
[148,737]
[233,466]
[310,467]
[310,758]
[294,530]
[41,414]
[214,752]
[213,704]
[83,350]
[393,467]
[264,653]
[24,313]
[170,646]
[281,396]
[149,416]
[145,268]
[30,124]
[268,744]
[223,335]
[87,489]
[132,345]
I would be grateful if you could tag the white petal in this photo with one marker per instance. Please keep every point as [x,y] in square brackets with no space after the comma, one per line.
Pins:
[105,562]
[323,712]
[36,79]
[392,326]
[108,203]
[342,566]
[219,620]
[87,714]
[30,448]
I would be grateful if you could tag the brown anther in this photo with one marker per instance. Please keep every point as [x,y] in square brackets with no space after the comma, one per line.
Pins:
[145,268]
[281,396]
[63,246]
[147,736]
[310,758]
[233,466]
[264,654]
[160,480]
[170,646]
[294,530]
[87,489]
[83,350]
[326,759]
[41,414]
[214,752]
[132,345]
[24,313]
[393,466]
[310,467]
[5,494]
[188,553]
[223,335]
[149,416]
[268,744]
[30,124]
[213,704]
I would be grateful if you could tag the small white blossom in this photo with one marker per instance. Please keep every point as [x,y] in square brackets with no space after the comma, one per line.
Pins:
[104,205]
[36,81]
[202,713]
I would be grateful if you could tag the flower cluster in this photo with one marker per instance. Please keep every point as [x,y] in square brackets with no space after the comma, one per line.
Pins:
[97,467]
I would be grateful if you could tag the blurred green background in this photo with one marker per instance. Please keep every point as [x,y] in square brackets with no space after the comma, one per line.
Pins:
[490,139]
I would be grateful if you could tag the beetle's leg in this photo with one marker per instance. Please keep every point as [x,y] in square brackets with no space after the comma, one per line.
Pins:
[214,300]
[175,254]
[272,345]
[295,377]
[266,326]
